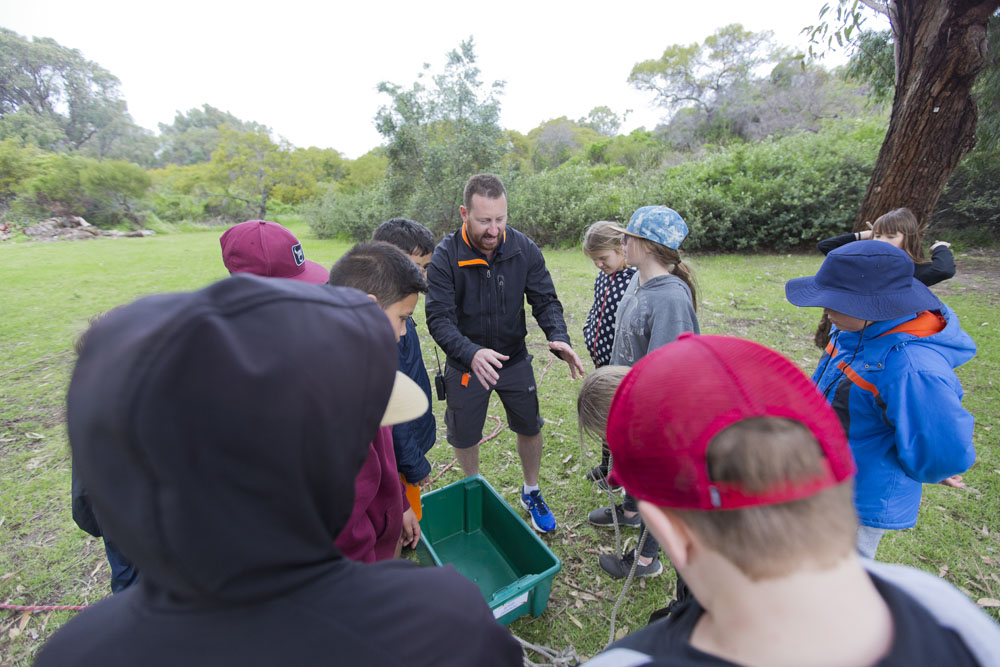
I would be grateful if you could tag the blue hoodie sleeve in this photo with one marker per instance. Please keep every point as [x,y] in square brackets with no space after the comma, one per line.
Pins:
[411,440]
[933,431]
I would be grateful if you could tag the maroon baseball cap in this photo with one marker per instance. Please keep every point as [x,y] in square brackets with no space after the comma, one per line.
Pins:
[267,249]
[676,399]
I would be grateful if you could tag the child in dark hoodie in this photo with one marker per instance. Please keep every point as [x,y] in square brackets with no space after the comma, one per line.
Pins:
[888,373]
[218,434]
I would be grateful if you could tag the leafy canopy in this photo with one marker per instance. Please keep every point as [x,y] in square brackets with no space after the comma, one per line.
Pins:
[54,98]
[695,74]
[438,135]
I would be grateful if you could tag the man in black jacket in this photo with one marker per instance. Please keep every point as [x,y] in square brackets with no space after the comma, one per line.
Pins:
[478,280]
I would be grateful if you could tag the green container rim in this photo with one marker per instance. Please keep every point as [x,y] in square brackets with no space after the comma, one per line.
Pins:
[519,586]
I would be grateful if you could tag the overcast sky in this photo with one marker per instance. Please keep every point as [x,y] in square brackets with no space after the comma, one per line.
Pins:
[309,70]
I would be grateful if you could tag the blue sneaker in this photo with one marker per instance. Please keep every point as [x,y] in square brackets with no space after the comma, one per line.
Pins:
[541,518]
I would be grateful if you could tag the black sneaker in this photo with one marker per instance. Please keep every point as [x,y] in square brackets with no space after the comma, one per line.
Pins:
[599,475]
[602,517]
[619,566]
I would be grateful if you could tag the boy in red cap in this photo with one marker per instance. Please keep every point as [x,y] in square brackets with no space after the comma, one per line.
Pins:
[744,477]
[267,249]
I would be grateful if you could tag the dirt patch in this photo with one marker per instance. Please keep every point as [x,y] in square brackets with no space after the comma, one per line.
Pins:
[978,270]
[741,323]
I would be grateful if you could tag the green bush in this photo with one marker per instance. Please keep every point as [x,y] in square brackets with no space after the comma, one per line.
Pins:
[972,199]
[555,207]
[116,188]
[56,189]
[350,215]
[105,193]
[640,150]
[171,206]
[773,194]
[194,193]
[17,164]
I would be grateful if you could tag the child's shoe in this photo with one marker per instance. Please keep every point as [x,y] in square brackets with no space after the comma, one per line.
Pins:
[599,475]
[602,517]
[619,566]
[541,518]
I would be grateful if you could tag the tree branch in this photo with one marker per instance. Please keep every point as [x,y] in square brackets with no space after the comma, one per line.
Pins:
[880,6]
[888,75]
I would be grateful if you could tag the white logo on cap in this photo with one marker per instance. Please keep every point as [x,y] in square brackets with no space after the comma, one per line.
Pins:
[300,257]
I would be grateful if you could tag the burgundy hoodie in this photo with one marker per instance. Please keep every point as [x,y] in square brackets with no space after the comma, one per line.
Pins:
[376,522]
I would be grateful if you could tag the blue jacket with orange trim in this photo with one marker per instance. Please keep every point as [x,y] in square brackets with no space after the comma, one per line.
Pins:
[900,403]
[474,303]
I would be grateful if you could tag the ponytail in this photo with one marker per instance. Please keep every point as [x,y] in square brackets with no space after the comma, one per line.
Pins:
[683,271]
[670,259]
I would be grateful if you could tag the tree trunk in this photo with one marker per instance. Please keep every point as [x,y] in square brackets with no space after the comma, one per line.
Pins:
[940,48]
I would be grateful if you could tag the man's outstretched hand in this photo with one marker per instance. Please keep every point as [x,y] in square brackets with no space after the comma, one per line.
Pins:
[566,353]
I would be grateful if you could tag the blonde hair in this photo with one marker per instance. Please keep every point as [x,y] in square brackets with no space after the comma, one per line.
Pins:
[773,540]
[902,221]
[602,235]
[670,259]
[594,401]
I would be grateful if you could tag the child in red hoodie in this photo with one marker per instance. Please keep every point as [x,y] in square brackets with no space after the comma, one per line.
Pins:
[379,525]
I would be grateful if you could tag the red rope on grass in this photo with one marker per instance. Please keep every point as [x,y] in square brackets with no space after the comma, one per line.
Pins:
[496,431]
[43,607]
[541,376]
[492,435]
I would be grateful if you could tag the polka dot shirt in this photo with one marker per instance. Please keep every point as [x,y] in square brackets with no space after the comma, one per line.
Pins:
[599,329]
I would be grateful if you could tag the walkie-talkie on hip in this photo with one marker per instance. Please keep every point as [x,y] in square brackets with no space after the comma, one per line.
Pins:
[439,379]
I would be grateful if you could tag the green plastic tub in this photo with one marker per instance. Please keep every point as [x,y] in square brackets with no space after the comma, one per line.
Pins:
[469,526]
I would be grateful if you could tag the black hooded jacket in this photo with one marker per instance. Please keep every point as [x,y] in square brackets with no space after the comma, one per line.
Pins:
[473,303]
[218,434]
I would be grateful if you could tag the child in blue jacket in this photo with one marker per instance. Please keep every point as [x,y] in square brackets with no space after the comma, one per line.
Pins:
[411,441]
[888,373]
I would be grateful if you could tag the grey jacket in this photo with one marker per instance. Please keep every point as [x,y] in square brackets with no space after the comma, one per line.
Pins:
[651,316]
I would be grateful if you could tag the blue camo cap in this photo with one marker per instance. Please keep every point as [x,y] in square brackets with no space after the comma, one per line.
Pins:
[658,224]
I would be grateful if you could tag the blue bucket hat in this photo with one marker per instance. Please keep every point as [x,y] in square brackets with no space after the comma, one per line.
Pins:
[869,280]
[658,224]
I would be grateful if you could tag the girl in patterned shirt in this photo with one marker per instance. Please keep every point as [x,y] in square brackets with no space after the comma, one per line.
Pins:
[602,243]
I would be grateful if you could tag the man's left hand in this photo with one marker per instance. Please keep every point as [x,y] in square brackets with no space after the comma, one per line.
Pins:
[566,353]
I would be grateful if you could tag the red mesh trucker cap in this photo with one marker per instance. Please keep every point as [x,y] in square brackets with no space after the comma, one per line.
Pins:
[677,398]
[267,249]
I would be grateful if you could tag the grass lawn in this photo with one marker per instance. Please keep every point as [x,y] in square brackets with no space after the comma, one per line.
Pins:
[50,290]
